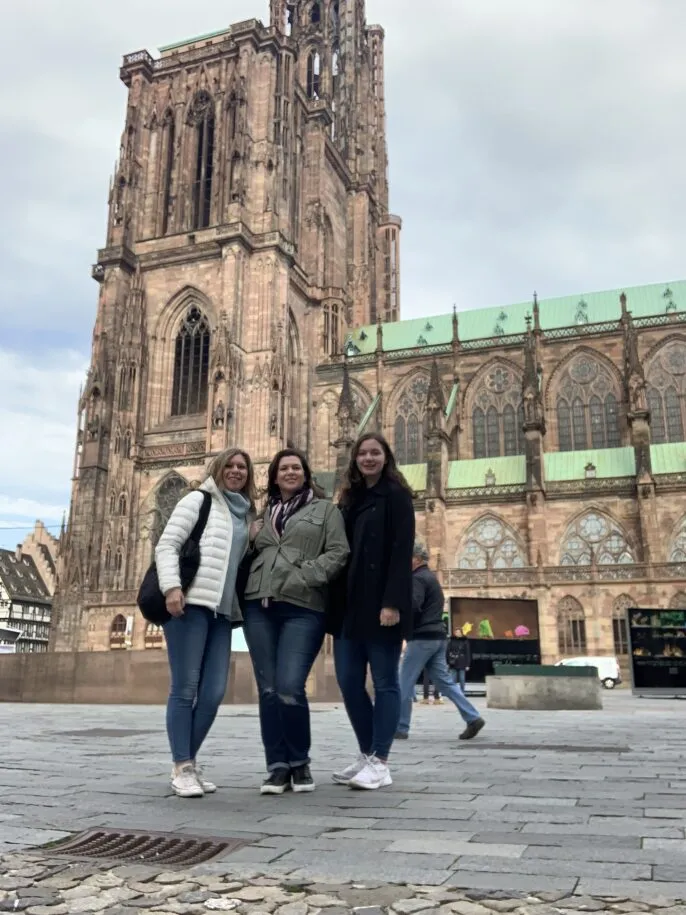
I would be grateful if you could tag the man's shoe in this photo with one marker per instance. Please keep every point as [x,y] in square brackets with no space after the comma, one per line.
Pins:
[301,779]
[472,729]
[277,782]
[401,735]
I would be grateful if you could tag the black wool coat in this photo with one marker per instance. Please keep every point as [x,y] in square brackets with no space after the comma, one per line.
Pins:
[380,527]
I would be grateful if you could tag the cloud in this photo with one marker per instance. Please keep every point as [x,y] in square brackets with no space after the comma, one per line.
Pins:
[531,145]
[38,423]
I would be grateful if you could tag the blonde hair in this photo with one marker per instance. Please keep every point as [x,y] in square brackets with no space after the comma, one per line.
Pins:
[219,465]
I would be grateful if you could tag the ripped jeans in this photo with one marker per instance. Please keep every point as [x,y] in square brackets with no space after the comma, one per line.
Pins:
[283,641]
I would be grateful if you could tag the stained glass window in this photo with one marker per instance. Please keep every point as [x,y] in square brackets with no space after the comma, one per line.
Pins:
[666,378]
[587,405]
[411,422]
[571,627]
[497,413]
[191,364]
[489,541]
[169,493]
[595,535]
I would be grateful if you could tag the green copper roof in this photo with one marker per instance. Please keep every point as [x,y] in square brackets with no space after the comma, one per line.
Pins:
[571,465]
[668,458]
[509,471]
[479,323]
[415,474]
[206,37]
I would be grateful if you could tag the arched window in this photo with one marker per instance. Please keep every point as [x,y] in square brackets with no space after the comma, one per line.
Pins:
[497,414]
[316,13]
[108,558]
[126,444]
[595,537]
[678,601]
[410,445]
[677,552]
[127,381]
[490,543]
[121,508]
[666,393]
[202,116]
[587,406]
[118,632]
[119,560]
[117,442]
[169,493]
[314,64]
[191,364]
[571,627]
[154,637]
[167,161]
[620,634]
[113,502]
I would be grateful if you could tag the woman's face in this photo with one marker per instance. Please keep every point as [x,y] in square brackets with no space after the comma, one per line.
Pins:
[290,476]
[235,474]
[370,459]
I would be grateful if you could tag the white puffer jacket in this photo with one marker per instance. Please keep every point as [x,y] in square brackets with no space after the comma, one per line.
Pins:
[215,548]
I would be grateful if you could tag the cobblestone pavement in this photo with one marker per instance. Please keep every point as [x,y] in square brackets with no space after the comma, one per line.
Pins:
[544,812]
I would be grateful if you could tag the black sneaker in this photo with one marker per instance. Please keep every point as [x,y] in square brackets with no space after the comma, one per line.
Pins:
[278,781]
[401,735]
[472,729]
[301,779]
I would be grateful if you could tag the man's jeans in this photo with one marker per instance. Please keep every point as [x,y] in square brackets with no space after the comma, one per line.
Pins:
[429,654]
[374,724]
[199,653]
[284,641]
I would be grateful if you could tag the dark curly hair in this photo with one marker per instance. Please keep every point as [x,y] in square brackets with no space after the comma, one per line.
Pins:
[353,481]
[273,490]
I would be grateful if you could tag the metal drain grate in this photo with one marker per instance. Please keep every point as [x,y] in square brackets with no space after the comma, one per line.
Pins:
[138,847]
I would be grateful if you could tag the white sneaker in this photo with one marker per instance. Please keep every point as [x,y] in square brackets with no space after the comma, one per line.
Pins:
[207,786]
[344,775]
[374,775]
[185,783]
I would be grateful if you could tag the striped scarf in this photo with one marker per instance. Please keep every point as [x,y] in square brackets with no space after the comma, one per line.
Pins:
[281,512]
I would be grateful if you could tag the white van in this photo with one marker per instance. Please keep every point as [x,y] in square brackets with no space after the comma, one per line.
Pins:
[607,667]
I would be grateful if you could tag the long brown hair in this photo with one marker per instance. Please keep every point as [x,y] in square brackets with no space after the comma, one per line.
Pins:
[222,460]
[273,490]
[353,481]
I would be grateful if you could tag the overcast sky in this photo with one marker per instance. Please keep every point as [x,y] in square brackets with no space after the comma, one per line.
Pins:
[533,144]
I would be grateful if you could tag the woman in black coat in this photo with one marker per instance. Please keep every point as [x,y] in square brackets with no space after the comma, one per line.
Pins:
[374,604]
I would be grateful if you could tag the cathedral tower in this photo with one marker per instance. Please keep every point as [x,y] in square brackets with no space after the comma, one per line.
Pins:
[248,232]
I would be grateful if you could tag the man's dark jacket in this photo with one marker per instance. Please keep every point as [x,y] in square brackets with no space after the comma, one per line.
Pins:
[427,605]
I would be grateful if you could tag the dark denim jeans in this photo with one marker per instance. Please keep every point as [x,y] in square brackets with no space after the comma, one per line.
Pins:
[199,652]
[374,723]
[284,641]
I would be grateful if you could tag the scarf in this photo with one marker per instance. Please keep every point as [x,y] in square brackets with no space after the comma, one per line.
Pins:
[281,512]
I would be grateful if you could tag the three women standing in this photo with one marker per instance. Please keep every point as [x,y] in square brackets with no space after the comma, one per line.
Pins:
[198,633]
[376,613]
[301,549]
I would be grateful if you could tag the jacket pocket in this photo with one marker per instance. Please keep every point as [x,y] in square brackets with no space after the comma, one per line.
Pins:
[255,577]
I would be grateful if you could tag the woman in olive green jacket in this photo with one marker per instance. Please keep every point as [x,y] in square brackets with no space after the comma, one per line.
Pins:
[300,549]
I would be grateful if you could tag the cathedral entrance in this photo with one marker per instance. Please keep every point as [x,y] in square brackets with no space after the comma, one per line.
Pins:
[500,631]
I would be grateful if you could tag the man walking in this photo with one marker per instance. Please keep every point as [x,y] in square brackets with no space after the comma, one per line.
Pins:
[427,649]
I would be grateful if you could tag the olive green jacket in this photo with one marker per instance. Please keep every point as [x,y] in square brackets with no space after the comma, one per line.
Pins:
[298,566]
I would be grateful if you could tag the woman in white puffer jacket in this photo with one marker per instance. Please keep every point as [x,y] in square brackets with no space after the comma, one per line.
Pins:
[198,634]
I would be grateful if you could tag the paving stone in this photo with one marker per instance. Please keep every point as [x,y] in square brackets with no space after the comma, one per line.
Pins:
[321,901]
[410,906]
[468,908]
[293,908]
[60,909]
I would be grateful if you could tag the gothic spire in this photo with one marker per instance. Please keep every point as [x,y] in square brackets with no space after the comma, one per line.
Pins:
[532,400]
[456,327]
[346,406]
[634,376]
[537,316]
[435,399]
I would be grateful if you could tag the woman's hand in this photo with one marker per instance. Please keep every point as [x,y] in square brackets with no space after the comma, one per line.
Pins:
[255,528]
[175,602]
[389,617]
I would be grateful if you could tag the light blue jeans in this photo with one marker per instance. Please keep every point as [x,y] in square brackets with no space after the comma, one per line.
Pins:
[429,654]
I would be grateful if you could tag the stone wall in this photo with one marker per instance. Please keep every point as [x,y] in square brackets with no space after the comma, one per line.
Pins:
[127,678]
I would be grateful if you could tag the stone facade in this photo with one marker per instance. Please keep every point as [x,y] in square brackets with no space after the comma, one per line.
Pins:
[249,294]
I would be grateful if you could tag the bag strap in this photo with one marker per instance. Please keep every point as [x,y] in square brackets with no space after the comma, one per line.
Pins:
[200,524]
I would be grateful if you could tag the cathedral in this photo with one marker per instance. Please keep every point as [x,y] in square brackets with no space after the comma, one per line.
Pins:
[249,294]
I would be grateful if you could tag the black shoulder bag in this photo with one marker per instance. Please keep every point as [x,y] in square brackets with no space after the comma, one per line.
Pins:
[151,601]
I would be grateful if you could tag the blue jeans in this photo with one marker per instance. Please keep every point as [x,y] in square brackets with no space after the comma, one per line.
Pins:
[374,724]
[459,676]
[429,653]
[199,652]
[284,641]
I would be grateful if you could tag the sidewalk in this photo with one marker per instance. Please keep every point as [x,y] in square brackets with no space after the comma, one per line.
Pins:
[560,803]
